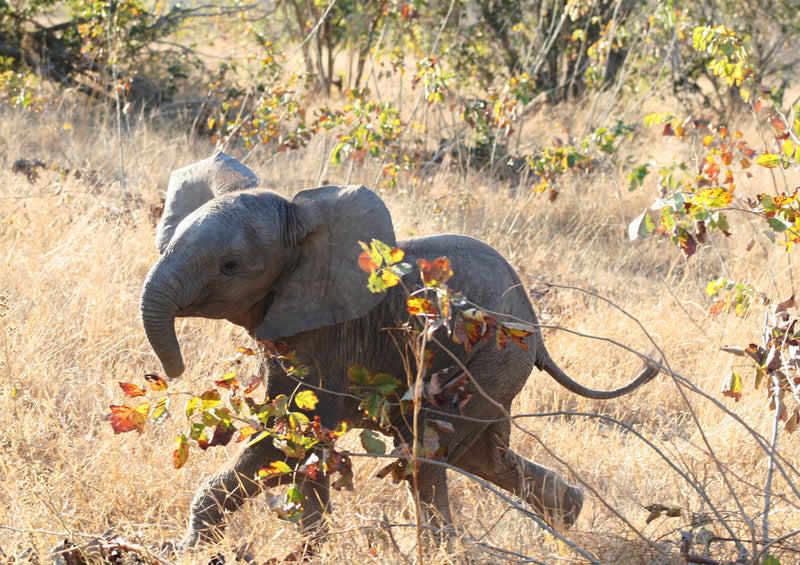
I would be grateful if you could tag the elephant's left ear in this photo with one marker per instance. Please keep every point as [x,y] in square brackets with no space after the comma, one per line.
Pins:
[328,286]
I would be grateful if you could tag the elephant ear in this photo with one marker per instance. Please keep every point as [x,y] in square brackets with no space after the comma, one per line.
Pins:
[327,286]
[192,186]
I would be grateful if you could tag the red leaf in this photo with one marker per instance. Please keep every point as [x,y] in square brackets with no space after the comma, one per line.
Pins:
[436,273]
[253,383]
[456,383]
[462,397]
[223,434]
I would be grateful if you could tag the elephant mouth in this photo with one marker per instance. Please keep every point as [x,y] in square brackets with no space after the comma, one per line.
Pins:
[250,318]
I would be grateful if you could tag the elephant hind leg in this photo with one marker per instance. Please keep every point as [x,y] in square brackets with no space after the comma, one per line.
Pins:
[490,458]
[431,482]
[434,504]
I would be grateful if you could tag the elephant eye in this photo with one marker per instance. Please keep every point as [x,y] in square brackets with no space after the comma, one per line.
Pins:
[229,267]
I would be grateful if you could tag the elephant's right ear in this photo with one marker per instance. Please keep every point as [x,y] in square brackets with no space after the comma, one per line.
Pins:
[194,185]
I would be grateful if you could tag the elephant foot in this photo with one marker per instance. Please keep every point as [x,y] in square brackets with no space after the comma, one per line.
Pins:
[566,514]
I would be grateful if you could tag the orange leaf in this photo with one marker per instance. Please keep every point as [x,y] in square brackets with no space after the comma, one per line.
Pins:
[254,383]
[131,390]
[420,306]
[516,332]
[245,432]
[156,382]
[366,262]
[128,418]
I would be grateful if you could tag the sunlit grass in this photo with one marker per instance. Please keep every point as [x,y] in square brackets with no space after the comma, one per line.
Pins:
[73,255]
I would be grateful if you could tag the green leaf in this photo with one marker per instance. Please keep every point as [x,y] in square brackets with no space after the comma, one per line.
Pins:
[297,420]
[160,412]
[641,227]
[292,508]
[295,496]
[359,375]
[281,402]
[386,384]
[637,176]
[180,453]
[306,400]
[779,225]
[371,405]
[372,443]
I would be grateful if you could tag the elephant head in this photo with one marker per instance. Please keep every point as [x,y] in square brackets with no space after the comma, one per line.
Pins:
[273,266]
[194,185]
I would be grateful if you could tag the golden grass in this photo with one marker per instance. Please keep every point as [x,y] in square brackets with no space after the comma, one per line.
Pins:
[72,259]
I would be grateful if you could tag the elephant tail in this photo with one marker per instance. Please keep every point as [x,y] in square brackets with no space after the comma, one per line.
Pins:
[545,363]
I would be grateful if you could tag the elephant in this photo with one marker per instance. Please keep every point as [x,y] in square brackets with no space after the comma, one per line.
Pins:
[287,271]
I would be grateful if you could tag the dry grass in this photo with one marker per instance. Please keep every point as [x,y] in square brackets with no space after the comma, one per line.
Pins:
[73,255]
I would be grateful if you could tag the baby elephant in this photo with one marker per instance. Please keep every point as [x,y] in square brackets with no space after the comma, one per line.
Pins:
[287,271]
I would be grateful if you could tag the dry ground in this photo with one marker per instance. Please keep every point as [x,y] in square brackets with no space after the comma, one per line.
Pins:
[74,252]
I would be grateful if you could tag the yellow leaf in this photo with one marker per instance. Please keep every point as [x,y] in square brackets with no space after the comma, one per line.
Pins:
[397,255]
[732,386]
[768,160]
[714,197]
[389,278]
[788,148]
[306,400]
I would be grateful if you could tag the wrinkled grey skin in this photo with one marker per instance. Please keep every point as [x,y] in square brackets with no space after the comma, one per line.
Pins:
[287,271]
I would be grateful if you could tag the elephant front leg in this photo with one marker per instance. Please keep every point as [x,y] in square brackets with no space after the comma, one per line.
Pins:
[316,503]
[221,493]
[224,492]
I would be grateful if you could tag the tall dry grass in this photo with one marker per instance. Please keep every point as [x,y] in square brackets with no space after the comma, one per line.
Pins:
[74,252]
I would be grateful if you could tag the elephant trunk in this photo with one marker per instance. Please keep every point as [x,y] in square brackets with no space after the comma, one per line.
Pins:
[159,305]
